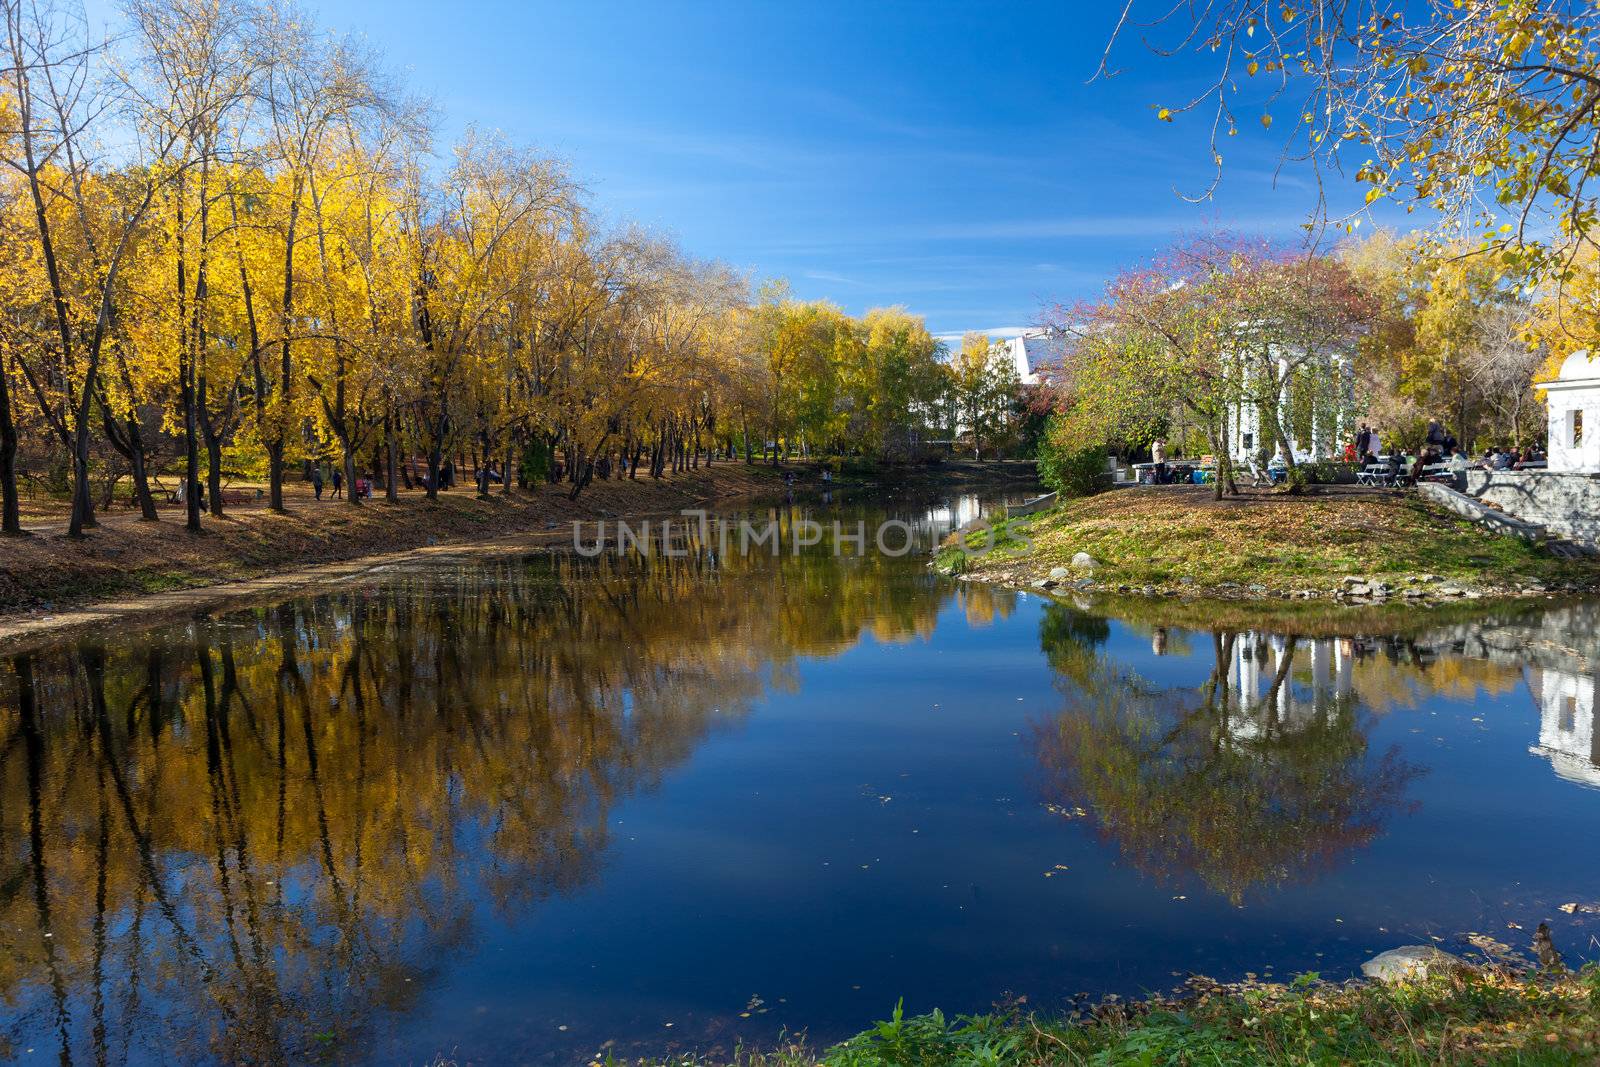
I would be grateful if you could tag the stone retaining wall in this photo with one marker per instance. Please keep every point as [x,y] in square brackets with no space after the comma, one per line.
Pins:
[1569,504]
[1478,511]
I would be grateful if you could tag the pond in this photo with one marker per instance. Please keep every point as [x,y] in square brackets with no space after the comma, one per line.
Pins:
[533,809]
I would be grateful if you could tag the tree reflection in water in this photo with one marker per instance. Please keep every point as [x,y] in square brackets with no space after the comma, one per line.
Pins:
[250,840]
[1248,781]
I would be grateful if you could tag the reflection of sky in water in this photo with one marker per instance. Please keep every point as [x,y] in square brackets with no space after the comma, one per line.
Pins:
[756,795]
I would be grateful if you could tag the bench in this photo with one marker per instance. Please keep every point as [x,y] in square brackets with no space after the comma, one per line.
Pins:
[1437,472]
[1380,474]
[169,497]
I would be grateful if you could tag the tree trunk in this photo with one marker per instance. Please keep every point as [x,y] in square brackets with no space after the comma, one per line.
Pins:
[186,389]
[130,444]
[275,474]
[141,477]
[202,384]
[505,470]
[10,502]
[1222,460]
[82,502]
[213,442]
[351,497]
[275,448]
[435,460]
[191,458]
[1274,412]
[391,492]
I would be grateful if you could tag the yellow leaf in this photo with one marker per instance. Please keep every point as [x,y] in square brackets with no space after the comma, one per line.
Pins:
[1165,114]
[1266,122]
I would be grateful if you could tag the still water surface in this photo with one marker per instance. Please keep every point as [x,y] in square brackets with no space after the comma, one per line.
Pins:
[511,811]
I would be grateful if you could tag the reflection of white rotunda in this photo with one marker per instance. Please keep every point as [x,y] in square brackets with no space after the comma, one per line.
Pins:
[1259,658]
[1566,723]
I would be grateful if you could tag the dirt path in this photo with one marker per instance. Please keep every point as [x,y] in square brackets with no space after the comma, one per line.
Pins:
[18,631]
[129,570]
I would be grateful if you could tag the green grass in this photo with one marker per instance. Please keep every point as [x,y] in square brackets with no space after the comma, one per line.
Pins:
[1493,1017]
[1174,539]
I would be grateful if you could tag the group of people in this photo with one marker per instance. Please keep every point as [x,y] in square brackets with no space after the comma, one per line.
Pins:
[1501,458]
[1441,458]
[361,490]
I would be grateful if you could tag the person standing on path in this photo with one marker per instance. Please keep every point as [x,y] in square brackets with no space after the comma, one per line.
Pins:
[316,481]
[338,485]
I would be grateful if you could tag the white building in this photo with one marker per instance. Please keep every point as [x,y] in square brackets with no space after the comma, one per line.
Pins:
[1574,403]
[1332,406]
[1037,355]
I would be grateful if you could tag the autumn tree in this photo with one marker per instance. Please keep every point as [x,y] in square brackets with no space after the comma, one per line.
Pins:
[1454,337]
[896,383]
[85,218]
[474,246]
[1298,318]
[196,70]
[271,268]
[314,88]
[1160,341]
[984,386]
[362,279]
[1482,111]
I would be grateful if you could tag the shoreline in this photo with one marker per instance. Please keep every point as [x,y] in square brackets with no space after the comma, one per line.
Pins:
[119,574]
[152,587]
[1361,550]
[19,631]
[1445,1008]
[50,586]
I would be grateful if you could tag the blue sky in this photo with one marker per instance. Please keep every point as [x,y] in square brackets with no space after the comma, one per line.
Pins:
[954,158]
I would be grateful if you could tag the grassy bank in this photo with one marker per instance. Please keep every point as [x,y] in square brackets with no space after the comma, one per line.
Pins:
[125,557]
[1179,539]
[1489,1017]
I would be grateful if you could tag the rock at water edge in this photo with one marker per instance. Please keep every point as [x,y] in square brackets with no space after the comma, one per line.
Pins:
[1412,963]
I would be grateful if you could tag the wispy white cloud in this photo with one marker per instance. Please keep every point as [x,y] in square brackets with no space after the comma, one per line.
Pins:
[832,278]
[1148,226]
[1081,227]
[994,333]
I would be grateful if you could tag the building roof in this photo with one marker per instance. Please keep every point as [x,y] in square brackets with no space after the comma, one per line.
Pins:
[1579,369]
[1039,354]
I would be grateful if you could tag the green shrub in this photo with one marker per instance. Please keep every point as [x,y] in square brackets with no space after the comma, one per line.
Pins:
[1071,472]
[535,462]
[1331,472]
